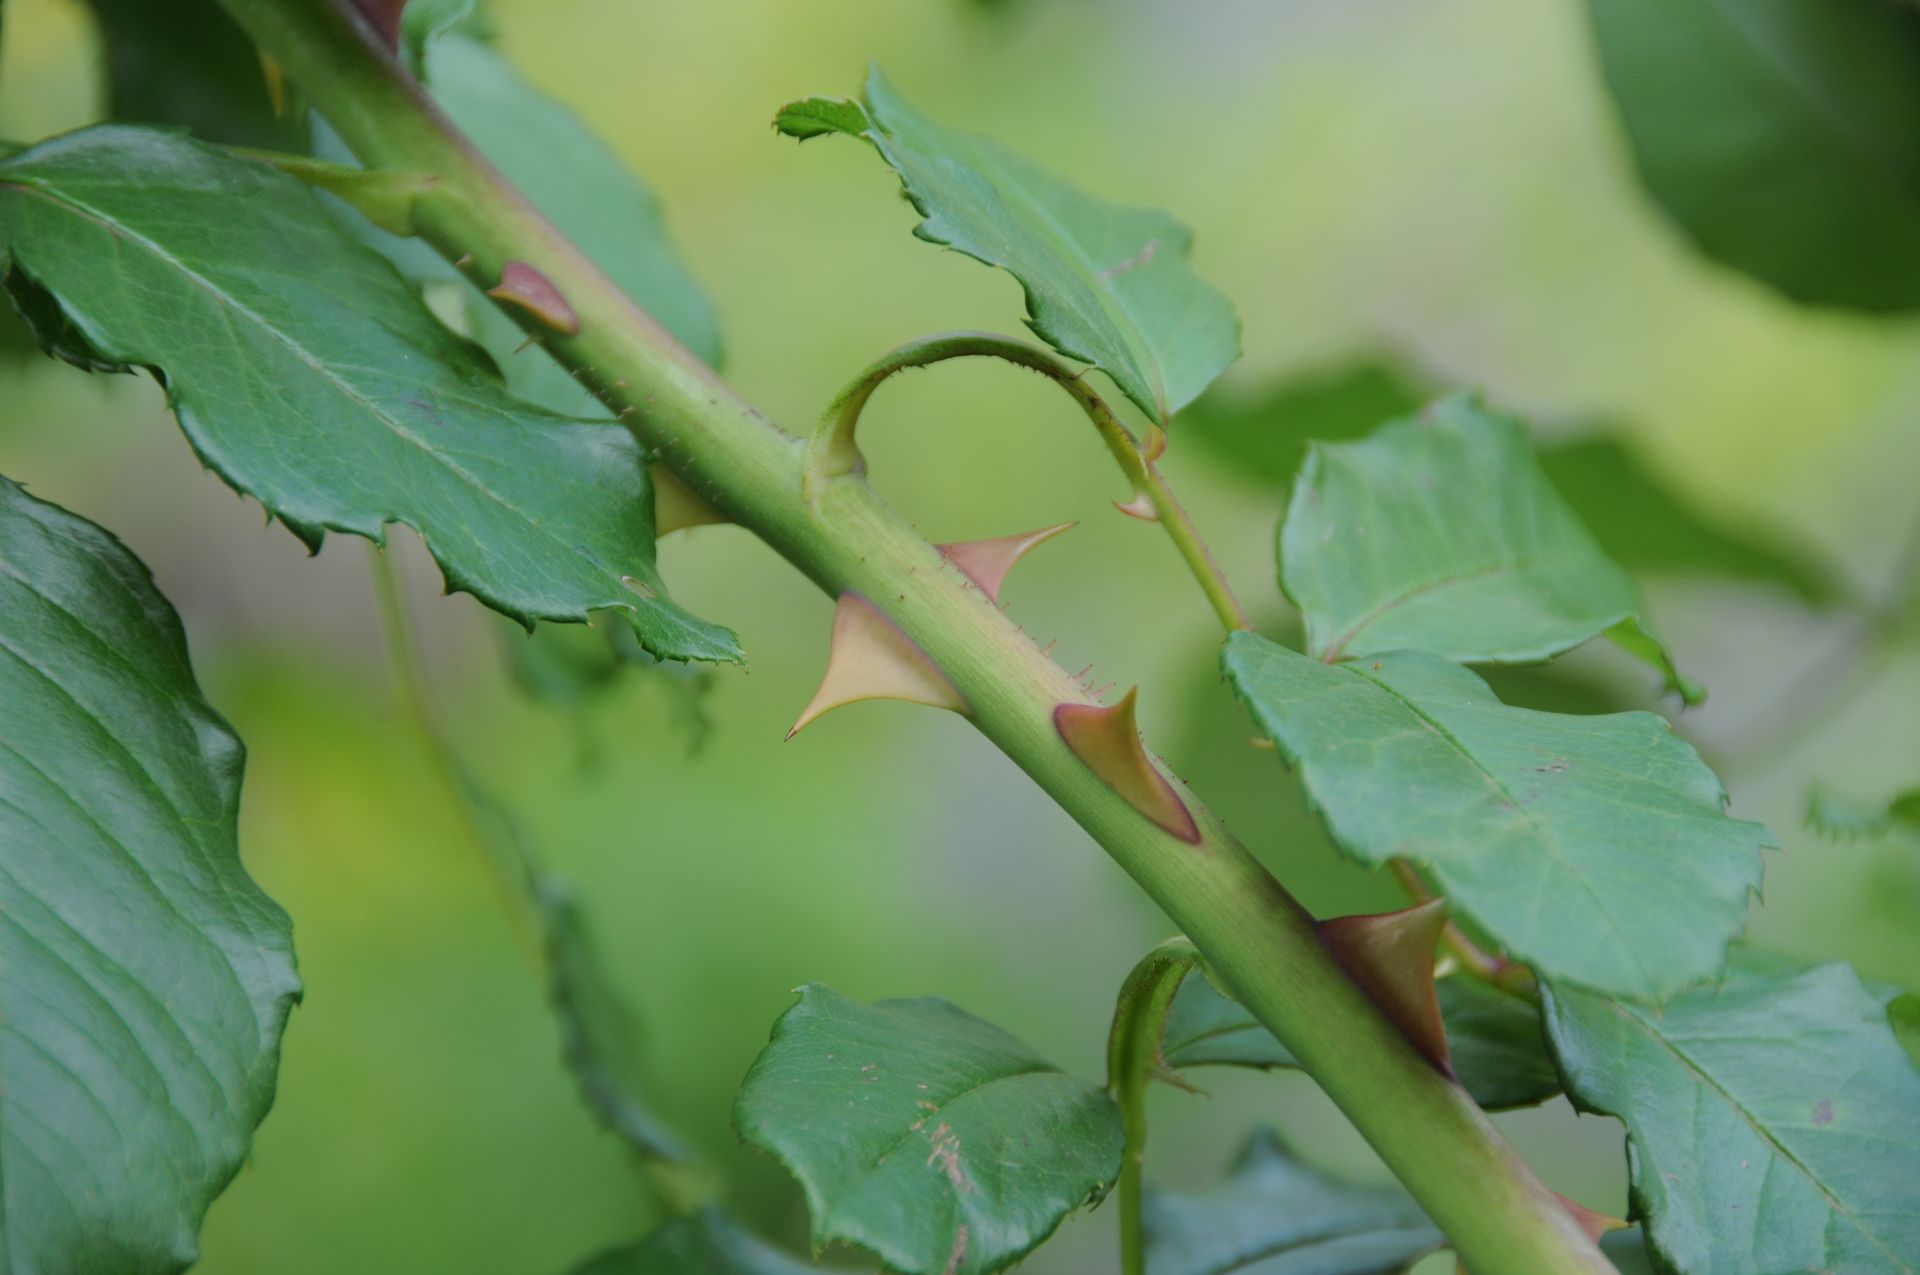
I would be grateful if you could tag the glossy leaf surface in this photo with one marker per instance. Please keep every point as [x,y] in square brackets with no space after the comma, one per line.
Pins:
[308,375]
[1498,1051]
[1105,284]
[1276,1215]
[1595,849]
[1778,136]
[1772,1119]
[929,1136]
[1440,533]
[144,977]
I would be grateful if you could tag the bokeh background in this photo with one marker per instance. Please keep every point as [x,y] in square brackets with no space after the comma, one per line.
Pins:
[1438,181]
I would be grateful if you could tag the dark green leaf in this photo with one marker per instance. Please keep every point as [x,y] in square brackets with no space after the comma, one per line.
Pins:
[1651,529]
[311,377]
[1440,533]
[144,977]
[1105,284]
[1276,1215]
[1770,1117]
[1495,1040]
[186,62]
[705,1243]
[1596,849]
[1265,436]
[933,1138]
[1779,135]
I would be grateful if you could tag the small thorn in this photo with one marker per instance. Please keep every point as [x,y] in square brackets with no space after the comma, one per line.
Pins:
[1107,741]
[462,261]
[1391,955]
[1261,742]
[1593,1223]
[872,659]
[675,507]
[520,284]
[1141,507]
[384,17]
[986,562]
[1156,443]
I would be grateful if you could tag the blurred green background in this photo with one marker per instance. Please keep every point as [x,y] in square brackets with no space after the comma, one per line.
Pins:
[1440,180]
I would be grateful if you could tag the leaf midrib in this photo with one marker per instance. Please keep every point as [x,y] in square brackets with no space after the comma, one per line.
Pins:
[1707,1081]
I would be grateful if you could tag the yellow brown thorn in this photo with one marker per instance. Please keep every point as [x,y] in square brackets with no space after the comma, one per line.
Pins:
[1590,1221]
[1391,957]
[276,78]
[675,507]
[1141,507]
[986,562]
[1107,741]
[520,284]
[872,659]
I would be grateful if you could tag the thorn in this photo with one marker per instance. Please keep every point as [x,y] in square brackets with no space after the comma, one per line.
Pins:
[675,507]
[1108,741]
[1390,955]
[1156,443]
[462,261]
[872,659]
[1141,507]
[1593,1223]
[520,284]
[986,562]
[1260,742]
[384,17]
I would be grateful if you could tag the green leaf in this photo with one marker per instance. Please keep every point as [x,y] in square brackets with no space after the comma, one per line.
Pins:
[1837,816]
[308,375]
[1779,136]
[933,1138]
[704,1243]
[588,192]
[186,62]
[1648,527]
[1596,849]
[1276,1215]
[144,977]
[1770,1119]
[1105,284]
[1498,1052]
[1641,521]
[1440,533]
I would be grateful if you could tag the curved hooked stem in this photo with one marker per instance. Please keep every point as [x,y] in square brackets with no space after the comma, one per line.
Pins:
[833,453]
[1134,1058]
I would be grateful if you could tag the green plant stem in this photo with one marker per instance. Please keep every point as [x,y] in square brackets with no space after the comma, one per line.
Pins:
[1501,1219]
[507,871]
[833,453]
[1133,1059]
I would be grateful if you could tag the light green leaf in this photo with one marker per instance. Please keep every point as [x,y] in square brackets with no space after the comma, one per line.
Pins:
[1774,1122]
[1498,1052]
[704,1243]
[144,977]
[933,1138]
[186,62]
[1639,519]
[1779,136]
[1440,533]
[1105,284]
[1276,1215]
[308,375]
[589,193]
[1596,849]
[1837,816]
